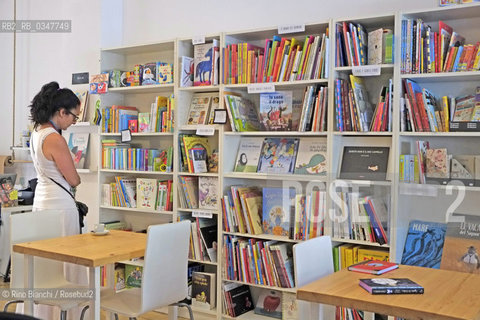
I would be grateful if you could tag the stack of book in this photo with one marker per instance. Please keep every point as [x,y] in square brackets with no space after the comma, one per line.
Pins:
[203,239]
[198,192]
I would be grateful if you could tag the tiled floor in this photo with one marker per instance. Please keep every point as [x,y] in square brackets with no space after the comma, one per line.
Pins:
[147,316]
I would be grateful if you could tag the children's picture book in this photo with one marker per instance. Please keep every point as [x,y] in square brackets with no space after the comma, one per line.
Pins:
[78,146]
[203,290]
[375,39]
[119,278]
[248,154]
[438,164]
[269,303]
[83,97]
[143,121]
[276,110]
[424,244]
[186,79]
[190,142]
[238,298]
[215,105]
[243,113]
[203,55]
[164,73]
[391,286]
[364,163]
[133,275]
[462,244]
[199,159]
[146,193]
[373,267]
[149,73]
[199,107]
[311,156]
[278,155]
[289,306]
[207,192]
[98,83]
[277,211]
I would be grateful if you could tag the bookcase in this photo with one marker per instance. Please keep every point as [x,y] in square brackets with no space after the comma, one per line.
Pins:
[403,201]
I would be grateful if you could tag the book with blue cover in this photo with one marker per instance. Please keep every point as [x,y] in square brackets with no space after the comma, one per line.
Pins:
[278,155]
[277,211]
[424,244]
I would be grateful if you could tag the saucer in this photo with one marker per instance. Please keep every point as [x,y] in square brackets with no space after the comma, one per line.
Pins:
[103,233]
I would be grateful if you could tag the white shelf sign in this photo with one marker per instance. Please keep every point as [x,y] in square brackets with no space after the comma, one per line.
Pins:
[260,88]
[291,28]
[205,131]
[202,214]
[198,40]
[366,71]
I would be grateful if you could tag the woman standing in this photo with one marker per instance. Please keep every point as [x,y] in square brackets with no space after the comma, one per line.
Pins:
[54,109]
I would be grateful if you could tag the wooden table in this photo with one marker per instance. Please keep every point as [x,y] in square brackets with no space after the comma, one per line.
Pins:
[448,294]
[86,250]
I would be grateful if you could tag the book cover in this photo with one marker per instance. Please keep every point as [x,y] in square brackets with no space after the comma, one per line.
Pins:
[289,306]
[133,275]
[207,192]
[143,121]
[190,142]
[248,154]
[391,286]
[373,267]
[462,243]
[203,63]
[269,303]
[83,97]
[208,232]
[372,254]
[364,163]
[146,193]
[375,49]
[311,156]
[198,113]
[199,160]
[243,114]
[119,277]
[164,73]
[78,146]
[203,290]
[238,297]
[424,244]
[149,73]
[437,163]
[215,105]
[186,79]
[277,209]
[276,110]
[278,155]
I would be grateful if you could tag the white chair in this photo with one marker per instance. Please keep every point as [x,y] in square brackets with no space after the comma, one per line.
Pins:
[41,225]
[313,259]
[164,278]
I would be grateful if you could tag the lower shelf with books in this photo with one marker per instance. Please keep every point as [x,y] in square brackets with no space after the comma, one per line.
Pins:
[138,210]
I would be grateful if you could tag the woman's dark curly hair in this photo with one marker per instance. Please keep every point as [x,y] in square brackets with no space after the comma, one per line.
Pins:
[49,100]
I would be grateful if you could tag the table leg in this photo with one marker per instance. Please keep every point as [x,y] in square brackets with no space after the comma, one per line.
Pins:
[94,284]
[172,313]
[110,268]
[28,281]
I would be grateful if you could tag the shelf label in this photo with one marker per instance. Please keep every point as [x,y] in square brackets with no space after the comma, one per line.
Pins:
[198,40]
[205,131]
[366,71]
[202,214]
[260,88]
[291,28]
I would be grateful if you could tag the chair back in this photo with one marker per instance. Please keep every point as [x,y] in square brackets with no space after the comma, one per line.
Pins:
[164,279]
[33,226]
[313,259]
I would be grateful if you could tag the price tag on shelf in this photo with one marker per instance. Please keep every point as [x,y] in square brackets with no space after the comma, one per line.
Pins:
[366,71]
[202,214]
[260,88]
[198,40]
[205,131]
[291,28]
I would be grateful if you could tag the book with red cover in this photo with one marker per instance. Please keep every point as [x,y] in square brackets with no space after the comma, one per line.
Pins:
[373,266]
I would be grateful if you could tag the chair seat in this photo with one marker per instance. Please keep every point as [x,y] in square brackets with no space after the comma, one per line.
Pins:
[127,302]
[67,303]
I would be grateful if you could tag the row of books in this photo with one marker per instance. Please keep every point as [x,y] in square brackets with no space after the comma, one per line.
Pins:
[428,51]
[202,108]
[141,75]
[452,2]
[422,111]
[360,217]
[345,255]
[123,156]
[203,68]
[198,192]
[281,59]
[258,262]
[355,48]
[276,211]
[279,111]
[139,193]
[196,154]
[203,238]
[282,155]
[354,112]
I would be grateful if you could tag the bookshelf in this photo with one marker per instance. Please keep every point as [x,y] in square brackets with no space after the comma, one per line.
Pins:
[404,201]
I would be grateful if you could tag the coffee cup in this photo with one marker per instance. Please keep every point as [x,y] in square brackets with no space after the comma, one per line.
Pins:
[99,228]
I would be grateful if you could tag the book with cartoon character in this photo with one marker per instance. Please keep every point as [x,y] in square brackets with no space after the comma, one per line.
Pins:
[203,290]
[278,155]
[248,153]
[203,57]
[461,251]
[312,156]
[78,145]
[149,73]
[276,110]
[277,211]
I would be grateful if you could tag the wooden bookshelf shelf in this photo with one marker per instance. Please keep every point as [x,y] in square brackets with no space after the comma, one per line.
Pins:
[137,210]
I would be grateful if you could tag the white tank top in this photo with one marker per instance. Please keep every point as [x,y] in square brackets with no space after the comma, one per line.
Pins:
[48,195]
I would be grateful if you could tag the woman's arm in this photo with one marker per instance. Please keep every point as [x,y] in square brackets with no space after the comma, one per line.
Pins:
[55,148]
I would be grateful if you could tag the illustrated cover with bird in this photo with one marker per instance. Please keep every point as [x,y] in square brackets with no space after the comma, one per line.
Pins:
[312,156]
[462,244]
[424,244]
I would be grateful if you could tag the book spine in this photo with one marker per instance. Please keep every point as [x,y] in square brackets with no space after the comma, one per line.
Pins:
[397,291]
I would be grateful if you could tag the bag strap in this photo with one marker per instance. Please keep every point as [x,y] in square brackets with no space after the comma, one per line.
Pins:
[71,195]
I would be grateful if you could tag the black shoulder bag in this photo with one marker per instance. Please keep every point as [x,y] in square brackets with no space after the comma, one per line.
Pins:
[81,207]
